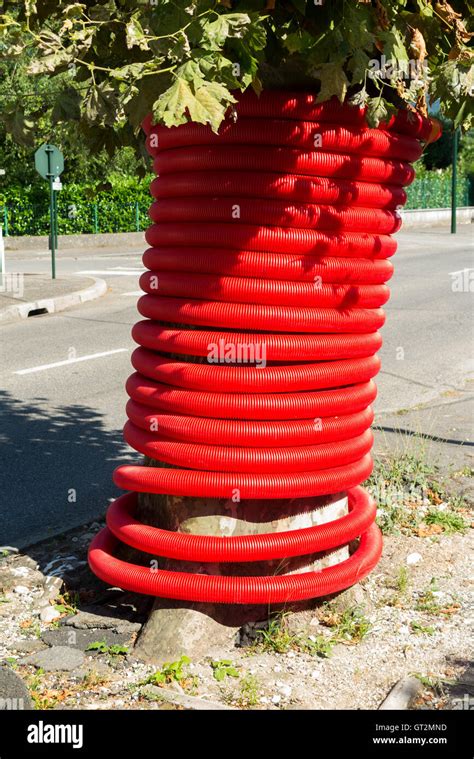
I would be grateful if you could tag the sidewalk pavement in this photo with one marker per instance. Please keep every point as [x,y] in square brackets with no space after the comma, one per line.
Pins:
[442,428]
[26,295]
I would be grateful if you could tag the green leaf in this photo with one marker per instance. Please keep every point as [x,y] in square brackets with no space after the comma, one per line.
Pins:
[19,125]
[358,64]
[393,44]
[100,104]
[135,35]
[191,97]
[67,106]
[97,645]
[379,110]
[333,82]
[226,26]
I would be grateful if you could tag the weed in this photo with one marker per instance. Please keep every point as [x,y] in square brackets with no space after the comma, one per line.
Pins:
[35,680]
[402,580]
[429,603]
[403,486]
[276,637]
[174,672]
[419,629]
[224,668]
[103,648]
[92,679]
[67,603]
[349,626]
[434,683]
[318,645]
[249,691]
[449,522]
[353,626]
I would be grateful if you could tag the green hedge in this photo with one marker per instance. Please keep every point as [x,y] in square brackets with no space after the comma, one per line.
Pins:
[124,208]
[81,209]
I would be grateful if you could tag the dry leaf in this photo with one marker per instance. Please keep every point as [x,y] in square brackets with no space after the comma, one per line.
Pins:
[382,15]
[450,609]
[417,45]
[425,530]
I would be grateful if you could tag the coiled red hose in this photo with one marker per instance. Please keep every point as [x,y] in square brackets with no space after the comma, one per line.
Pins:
[268,258]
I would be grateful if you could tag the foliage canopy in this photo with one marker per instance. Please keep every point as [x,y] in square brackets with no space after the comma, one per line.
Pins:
[115,60]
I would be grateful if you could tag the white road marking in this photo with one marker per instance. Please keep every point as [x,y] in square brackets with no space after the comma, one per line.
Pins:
[68,361]
[110,273]
[126,268]
[461,271]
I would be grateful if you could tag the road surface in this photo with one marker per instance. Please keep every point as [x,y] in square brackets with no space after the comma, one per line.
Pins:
[62,417]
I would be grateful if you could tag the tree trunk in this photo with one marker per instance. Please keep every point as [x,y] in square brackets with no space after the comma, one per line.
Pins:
[176,628]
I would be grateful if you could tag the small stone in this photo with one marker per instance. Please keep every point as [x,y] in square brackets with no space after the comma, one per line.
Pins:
[27,561]
[49,614]
[414,558]
[21,590]
[285,690]
[276,699]
[315,674]
[20,571]
[52,587]
[56,659]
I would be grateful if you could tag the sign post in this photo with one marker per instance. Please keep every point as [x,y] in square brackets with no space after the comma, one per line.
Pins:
[454,180]
[49,163]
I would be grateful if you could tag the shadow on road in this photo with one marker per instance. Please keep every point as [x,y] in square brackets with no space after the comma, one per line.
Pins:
[57,466]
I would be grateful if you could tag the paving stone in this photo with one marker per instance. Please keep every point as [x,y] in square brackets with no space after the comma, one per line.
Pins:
[30,646]
[57,658]
[78,638]
[13,691]
[86,619]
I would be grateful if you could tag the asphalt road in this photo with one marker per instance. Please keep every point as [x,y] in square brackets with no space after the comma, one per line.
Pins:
[61,425]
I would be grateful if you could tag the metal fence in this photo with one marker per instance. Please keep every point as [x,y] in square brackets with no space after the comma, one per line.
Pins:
[435,192]
[81,217]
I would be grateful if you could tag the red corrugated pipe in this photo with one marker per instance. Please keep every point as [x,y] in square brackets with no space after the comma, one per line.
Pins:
[273,235]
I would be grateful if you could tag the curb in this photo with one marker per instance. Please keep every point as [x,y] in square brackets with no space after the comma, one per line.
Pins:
[53,305]
[402,694]
[40,243]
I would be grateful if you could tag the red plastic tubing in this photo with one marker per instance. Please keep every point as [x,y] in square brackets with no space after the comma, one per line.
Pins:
[254,373]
